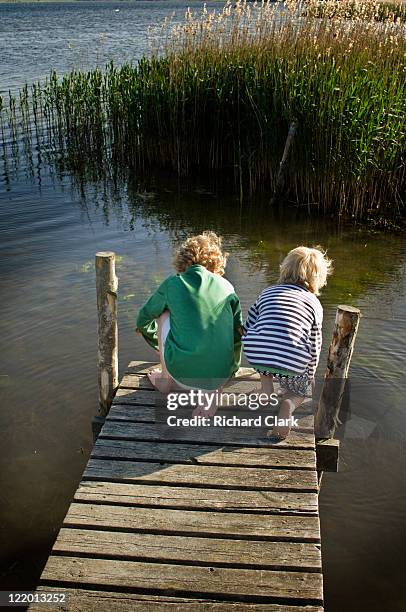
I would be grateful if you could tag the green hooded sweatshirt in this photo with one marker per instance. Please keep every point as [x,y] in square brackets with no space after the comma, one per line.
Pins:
[203,347]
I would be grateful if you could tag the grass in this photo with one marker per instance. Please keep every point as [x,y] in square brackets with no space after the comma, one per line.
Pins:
[379,10]
[219,92]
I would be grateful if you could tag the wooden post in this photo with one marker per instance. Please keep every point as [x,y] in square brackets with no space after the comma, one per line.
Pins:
[107,368]
[338,363]
[280,179]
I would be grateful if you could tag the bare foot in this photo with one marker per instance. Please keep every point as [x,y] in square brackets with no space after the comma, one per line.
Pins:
[285,412]
[202,411]
[158,381]
[208,408]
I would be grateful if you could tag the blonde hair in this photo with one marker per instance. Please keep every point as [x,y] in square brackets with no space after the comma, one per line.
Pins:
[205,250]
[307,267]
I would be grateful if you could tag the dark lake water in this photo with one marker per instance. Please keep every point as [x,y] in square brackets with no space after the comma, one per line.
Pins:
[51,225]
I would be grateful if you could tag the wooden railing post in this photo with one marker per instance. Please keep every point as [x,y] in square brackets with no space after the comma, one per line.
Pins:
[338,363]
[107,367]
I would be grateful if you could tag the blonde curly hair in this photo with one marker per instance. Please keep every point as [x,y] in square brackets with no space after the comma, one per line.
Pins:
[306,266]
[205,250]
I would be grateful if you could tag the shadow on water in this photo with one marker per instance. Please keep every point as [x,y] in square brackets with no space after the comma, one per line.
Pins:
[52,221]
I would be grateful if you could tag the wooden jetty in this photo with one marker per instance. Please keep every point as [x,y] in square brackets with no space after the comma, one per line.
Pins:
[212,522]
[174,525]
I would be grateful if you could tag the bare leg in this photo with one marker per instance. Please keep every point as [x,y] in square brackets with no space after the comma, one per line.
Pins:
[267,384]
[287,408]
[160,378]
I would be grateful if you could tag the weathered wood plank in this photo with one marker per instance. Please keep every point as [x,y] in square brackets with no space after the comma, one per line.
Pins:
[205,524]
[135,413]
[82,600]
[205,455]
[139,390]
[242,383]
[146,395]
[202,475]
[244,584]
[198,499]
[145,431]
[139,397]
[245,381]
[142,367]
[191,550]
[138,411]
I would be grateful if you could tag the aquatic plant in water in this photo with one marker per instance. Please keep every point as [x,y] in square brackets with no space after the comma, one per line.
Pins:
[218,93]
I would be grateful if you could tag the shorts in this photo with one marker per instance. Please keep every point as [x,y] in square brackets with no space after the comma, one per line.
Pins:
[298,384]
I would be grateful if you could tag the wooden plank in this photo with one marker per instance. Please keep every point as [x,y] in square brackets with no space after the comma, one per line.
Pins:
[139,390]
[83,600]
[135,378]
[204,524]
[146,395]
[142,367]
[145,431]
[141,397]
[135,413]
[205,455]
[190,550]
[243,584]
[133,409]
[201,499]
[202,475]
[246,384]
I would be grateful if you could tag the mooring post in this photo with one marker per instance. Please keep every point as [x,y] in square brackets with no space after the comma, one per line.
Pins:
[107,367]
[280,179]
[335,378]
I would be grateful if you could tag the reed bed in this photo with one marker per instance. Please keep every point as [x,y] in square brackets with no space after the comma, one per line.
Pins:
[217,94]
[353,9]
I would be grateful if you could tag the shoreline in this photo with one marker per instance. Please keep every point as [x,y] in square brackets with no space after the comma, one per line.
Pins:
[12,2]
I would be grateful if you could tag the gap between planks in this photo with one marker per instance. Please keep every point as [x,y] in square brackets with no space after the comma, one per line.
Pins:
[86,600]
[248,585]
[270,527]
[191,475]
[144,432]
[179,453]
[189,550]
[221,500]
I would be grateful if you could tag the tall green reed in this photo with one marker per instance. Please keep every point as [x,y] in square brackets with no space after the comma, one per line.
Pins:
[219,93]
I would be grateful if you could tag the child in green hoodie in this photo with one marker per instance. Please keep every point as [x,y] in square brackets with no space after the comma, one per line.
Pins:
[194,320]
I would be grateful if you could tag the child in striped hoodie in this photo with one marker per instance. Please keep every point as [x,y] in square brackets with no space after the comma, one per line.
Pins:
[283,330]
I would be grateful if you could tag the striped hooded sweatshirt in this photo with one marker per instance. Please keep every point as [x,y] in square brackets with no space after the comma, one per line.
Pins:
[283,329]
